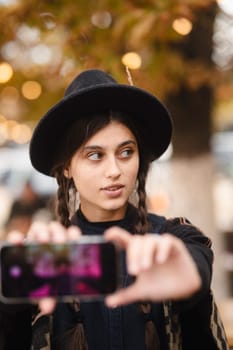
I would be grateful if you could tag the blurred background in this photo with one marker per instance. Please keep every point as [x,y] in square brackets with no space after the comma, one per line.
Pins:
[180,50]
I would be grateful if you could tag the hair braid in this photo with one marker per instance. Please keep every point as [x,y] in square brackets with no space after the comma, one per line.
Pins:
[63,198]
[142,226]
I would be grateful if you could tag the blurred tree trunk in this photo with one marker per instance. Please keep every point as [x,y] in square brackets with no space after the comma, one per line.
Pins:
[192,167]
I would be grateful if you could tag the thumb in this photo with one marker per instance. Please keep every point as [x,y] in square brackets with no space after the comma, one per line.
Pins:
[47,305]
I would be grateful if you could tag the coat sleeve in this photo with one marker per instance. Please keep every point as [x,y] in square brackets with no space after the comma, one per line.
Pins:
[201,325]
[199,247]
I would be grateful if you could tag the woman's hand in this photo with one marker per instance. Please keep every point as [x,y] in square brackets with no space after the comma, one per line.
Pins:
[163,267]
[43,233]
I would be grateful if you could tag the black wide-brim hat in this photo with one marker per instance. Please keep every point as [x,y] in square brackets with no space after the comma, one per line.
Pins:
[95,91]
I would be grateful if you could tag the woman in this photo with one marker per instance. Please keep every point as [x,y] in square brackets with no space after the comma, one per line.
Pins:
[98,142]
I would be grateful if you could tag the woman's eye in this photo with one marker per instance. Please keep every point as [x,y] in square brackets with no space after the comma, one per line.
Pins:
[126,153]
[94,156]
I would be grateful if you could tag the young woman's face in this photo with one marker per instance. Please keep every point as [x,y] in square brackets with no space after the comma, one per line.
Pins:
[105,171]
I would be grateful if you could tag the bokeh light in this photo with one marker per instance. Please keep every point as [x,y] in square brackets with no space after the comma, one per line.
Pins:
[11,50]
[28,35]
[31,90]
[21,133]
[11,130]
[182,26]
[6,72]
[41,54]
[101,20]
[226,6]
[132,60]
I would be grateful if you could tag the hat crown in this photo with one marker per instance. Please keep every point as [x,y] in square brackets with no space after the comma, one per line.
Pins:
[91,92]
[89,79]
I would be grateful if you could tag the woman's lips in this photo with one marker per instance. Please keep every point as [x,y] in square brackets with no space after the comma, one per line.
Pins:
[113,190]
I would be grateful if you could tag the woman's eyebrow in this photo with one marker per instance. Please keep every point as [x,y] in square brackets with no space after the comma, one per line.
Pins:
[91,147]
[97,147]
[128,142]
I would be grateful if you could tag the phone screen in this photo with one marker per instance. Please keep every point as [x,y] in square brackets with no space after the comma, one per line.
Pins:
[58,270]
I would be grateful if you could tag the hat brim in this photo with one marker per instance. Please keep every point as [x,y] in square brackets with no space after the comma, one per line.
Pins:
[150,115]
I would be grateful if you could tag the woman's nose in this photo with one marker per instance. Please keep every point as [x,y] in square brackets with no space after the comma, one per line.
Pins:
[113,168]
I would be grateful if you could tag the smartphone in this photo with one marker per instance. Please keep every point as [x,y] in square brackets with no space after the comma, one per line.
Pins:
[85,269]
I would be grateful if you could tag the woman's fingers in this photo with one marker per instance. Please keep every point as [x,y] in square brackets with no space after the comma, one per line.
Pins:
[125,241]
[119,236]
[122,297]
[38,232]
[140,249]
[43,232]
[15,237]
[52,232]
[148,248]
[73,233]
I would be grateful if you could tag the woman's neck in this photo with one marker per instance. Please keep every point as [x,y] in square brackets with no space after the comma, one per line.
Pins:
[104,215]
